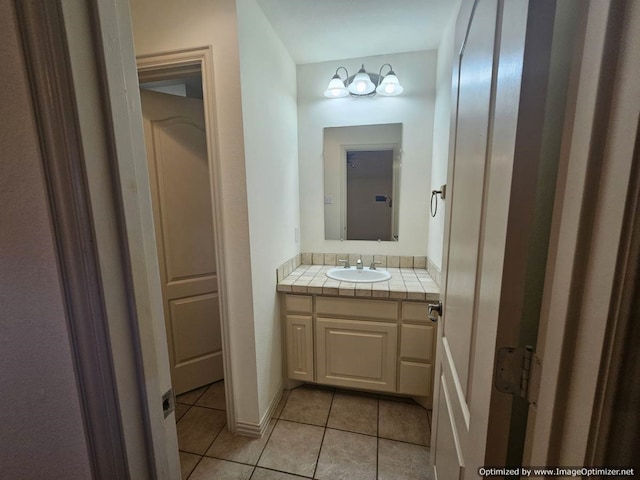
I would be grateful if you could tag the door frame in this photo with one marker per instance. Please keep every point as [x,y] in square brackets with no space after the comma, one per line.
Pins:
[591,249]
[165,65]
[80,64]
[96,177]
[46,45]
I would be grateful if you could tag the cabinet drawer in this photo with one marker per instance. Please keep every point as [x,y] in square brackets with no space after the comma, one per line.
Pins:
[298,303]
[356,308]
[415,312]
[416,342]
[353,353]
[415,379]
[299,347]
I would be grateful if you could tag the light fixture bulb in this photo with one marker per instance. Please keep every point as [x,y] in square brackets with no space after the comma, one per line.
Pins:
[390,86]
[336,88]
[361,83]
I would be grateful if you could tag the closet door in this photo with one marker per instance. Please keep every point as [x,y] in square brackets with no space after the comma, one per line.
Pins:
[183,217]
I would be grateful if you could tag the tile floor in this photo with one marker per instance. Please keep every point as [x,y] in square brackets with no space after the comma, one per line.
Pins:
[319,433]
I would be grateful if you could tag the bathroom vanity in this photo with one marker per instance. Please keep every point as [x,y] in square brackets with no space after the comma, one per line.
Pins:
[373,336]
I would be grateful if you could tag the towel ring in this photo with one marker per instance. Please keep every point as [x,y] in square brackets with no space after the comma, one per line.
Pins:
[434,196]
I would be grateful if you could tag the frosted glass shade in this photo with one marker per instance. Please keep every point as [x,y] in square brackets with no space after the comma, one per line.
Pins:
[336,88]
[361,83]
[390,86]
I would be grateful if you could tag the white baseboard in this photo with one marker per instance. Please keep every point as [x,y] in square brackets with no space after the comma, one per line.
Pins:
[250,429]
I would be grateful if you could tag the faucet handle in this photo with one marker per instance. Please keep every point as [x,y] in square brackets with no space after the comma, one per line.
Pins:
[373,265]
[345,261]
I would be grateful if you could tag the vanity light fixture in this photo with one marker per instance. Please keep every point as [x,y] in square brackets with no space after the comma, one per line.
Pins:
[364,84]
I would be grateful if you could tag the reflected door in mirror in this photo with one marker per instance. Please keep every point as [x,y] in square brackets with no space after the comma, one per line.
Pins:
[369,200]
[362,182]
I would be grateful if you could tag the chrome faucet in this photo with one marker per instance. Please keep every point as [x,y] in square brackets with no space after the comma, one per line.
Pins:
[373,265]
[346,263]
[359,264]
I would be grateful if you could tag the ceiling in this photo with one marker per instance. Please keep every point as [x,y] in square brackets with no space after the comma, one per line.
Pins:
[322,30]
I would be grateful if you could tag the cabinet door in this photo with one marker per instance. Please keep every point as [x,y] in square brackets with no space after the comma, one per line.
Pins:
[416,343]
[355,353]
[299,347]
[415,379]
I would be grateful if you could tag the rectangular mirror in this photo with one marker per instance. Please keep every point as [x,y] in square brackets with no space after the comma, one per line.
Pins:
[361,182]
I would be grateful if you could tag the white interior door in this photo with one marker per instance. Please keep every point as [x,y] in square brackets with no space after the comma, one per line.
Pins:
[183,216]
[487,79]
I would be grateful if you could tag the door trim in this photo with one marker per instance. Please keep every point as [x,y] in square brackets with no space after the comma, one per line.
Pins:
[584,292]
[167,65]
[46,47]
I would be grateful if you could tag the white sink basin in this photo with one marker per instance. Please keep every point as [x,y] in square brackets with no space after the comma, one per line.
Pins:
[352,274]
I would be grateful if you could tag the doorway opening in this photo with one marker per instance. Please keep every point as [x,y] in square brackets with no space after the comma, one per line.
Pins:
[180,138]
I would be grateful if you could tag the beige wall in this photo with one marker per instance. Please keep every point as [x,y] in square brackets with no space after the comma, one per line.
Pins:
[167,25]
[441,127]
[413,109]
[269,112]
[42,435]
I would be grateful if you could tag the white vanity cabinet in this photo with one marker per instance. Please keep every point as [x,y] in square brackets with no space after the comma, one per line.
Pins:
[417,350]
[382,345]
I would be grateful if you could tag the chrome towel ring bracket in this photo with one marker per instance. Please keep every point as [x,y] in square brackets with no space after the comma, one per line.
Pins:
[434,198]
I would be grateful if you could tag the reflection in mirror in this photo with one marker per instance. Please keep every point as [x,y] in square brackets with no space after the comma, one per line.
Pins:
[361,182]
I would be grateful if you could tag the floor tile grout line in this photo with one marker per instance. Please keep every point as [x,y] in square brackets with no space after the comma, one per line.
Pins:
[351,431]
[206,387]
[199,396]
[267,442]
[278,418]
[214,438]
[324,432]
[271,469]
[194,467]
[210,408]
[184,414]
[222,460]
[405,442]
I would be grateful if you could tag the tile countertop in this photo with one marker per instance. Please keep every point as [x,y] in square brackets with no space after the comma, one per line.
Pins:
[405,283]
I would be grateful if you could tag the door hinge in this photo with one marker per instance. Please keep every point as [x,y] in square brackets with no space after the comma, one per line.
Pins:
[518,372]
[168,402]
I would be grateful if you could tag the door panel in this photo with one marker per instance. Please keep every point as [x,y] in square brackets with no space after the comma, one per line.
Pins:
[183,216]
[449,447]
[193,332]
[475,75]
[477,214]
[184,197]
